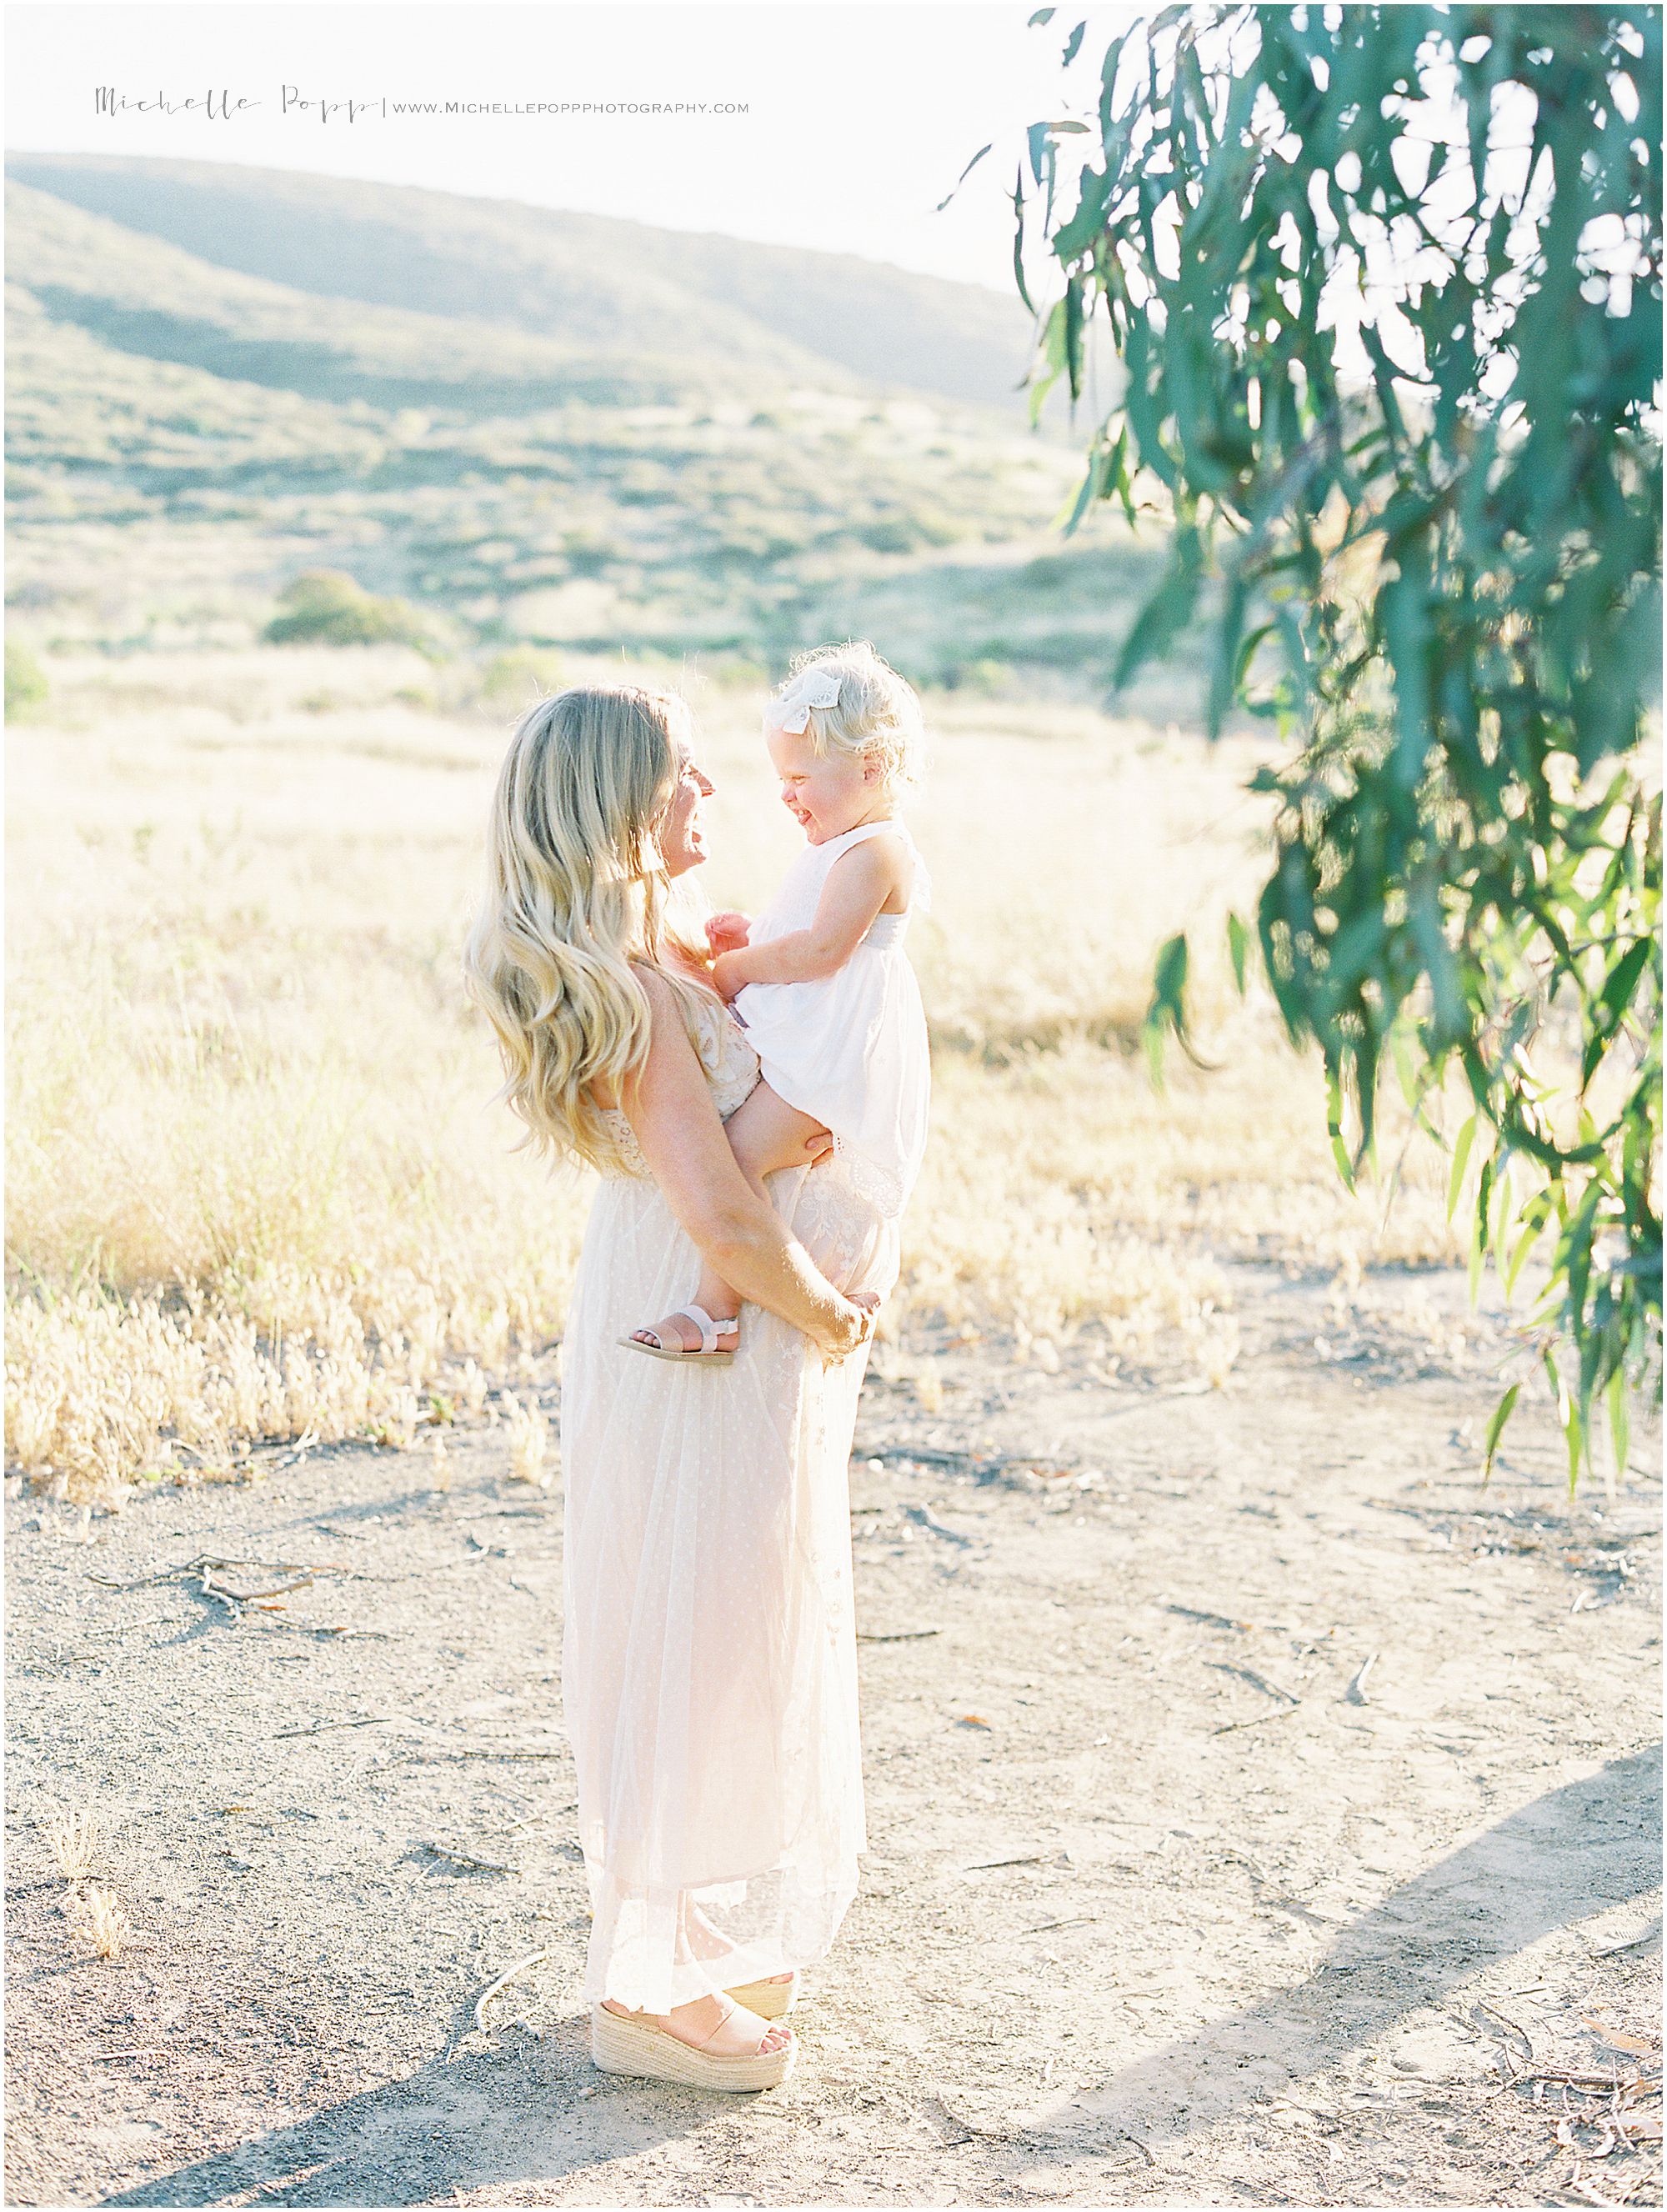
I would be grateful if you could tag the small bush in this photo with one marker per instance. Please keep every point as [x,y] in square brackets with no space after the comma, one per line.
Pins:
[516,678]
[899,534]
[26,682]
[739,672]
[325,607]
[105,1923]
[75,1835]
[983,679]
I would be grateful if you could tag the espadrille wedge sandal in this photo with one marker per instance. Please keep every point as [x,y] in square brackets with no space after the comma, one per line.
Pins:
[709,1353]
[770,2000]
[639,2047]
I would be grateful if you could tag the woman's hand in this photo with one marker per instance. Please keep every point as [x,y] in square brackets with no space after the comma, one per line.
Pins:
[727,932]
[852,1328]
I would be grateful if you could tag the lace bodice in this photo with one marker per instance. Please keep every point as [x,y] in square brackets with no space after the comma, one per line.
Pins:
[732,1071]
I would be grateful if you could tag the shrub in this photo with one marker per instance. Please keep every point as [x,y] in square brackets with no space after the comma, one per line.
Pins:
[325,607]
[983,678]
[516,678]
[905,533]
[25,683]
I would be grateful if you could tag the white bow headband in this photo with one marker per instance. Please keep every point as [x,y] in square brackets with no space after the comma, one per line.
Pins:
[811,687]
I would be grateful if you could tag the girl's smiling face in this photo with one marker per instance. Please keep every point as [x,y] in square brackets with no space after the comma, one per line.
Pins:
[826,793]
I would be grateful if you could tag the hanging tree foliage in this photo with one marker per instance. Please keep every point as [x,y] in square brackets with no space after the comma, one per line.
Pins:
[1385,283]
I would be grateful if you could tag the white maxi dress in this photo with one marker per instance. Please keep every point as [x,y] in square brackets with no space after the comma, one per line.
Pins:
[709,1647]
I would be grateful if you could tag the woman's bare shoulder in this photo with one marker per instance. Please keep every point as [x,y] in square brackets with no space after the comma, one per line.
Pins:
[668,1030]
[666,1004]
[662,999]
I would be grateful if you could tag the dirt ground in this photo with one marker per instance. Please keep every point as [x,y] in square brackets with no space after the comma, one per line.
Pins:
[1260,1811]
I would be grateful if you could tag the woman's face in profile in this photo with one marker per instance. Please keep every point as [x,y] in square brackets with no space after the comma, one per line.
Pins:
[680,840]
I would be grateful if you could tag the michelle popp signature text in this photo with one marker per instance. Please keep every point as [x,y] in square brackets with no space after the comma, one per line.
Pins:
[217,105]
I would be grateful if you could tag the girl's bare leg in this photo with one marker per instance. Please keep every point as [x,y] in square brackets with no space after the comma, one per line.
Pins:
[765,1133]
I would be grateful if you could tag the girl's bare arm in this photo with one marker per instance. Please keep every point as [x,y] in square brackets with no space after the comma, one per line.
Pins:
[859,884]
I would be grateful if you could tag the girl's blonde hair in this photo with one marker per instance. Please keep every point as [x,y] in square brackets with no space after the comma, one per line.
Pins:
[576,891]
[877,714]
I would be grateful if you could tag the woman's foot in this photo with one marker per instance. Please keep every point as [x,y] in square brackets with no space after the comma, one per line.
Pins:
[714,2025]
[706,1942]
[690,1334]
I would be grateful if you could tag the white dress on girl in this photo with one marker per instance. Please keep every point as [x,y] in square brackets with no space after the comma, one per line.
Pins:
[850,1048]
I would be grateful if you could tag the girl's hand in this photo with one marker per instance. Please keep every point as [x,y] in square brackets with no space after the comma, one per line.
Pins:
[727,932]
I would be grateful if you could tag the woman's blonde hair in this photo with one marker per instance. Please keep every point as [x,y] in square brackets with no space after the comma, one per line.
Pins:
[576,891]
[876,716]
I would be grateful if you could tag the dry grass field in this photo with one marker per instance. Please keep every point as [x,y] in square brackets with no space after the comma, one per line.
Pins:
[1262,1810]
[258,1186]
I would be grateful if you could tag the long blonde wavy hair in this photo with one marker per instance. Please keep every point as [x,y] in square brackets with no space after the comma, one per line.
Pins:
[576,891]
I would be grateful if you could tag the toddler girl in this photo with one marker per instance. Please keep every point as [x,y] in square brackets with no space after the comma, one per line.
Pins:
[820,981]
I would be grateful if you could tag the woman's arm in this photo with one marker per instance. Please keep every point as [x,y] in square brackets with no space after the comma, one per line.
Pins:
[669,1106]
[859,883]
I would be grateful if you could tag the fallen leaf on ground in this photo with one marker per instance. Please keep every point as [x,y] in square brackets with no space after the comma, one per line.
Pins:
[1642,2045]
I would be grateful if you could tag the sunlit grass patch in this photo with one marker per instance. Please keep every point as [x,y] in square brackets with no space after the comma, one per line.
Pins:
[258,1187]
[75,1837]
[103,1921]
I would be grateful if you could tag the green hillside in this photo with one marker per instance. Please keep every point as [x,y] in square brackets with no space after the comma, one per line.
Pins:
[145,296]
[184,438]
[591,283]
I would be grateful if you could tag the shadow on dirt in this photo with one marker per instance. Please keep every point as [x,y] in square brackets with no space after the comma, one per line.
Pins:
[539,2112]
[476,2122]
[1577,1850]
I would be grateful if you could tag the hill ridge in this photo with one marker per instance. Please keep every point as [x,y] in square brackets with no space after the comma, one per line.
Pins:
[587,281]
[142,294]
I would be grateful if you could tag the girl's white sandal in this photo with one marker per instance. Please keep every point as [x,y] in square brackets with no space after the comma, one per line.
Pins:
[707,1353]
[770,2000]
[651,2053]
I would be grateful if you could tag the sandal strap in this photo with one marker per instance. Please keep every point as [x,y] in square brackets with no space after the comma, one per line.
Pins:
[729,2015]
[709,1329]
[723,2023]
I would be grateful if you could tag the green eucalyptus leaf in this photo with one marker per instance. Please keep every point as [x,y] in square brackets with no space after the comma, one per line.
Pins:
[1462,1144]
[1238,946]
[962,178]
[1501,1414]
[1620,1423]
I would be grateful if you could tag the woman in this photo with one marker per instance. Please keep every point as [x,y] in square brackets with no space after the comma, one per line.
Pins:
[709,1659]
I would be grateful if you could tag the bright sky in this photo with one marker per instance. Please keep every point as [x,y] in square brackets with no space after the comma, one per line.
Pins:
[859,117]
